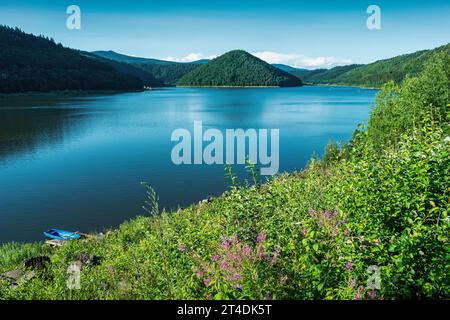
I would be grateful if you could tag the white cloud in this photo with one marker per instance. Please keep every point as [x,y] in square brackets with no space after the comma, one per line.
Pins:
[190,57]
[300,60]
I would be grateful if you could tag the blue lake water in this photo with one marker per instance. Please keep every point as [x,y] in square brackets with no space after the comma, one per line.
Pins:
[76,162]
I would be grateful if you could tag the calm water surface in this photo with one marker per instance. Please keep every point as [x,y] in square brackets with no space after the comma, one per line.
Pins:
[76,162]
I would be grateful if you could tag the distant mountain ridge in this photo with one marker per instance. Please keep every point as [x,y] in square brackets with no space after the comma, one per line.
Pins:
[238,68]
[36,63]
[288,68]
[369,75]
[112,55]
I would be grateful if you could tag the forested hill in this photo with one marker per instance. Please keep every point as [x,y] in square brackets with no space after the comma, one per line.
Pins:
[147,78]
[238,68]
[323,76]
[30,63]
[167,73]
[374,74]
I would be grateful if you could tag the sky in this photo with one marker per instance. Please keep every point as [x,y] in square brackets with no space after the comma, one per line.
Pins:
[306,34]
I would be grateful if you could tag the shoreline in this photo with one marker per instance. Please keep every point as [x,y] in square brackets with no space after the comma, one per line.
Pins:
[111,92]
[236,87]
[66,93]
[341,85]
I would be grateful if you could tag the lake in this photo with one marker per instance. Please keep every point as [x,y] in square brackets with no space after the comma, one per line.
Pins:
[76,162]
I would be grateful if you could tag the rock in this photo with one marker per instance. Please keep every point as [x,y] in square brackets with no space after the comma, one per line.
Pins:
[17,276]
[13,275]
[207,200]
[29,275]
[37,263]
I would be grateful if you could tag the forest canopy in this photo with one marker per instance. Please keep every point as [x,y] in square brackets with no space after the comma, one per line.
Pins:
[31,63]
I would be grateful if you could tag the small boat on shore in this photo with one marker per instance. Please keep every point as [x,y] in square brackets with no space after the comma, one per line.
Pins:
[61,235]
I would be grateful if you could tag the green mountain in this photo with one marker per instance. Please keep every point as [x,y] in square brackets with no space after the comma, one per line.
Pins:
[167,73]
[30,63]
[374,74]
[396,69]
[238,68]
[323,76]
[147,78]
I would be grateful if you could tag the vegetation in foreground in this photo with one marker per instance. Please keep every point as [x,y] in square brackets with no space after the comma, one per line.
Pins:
[381,200]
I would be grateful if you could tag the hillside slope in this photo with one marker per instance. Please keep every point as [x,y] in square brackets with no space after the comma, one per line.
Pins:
[374,74]
[323,76]
[238,68]
[31,63]
[395,69]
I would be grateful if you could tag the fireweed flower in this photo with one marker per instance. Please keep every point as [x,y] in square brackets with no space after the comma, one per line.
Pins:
[225,243]
[215,257]
[372,294]
[198,272]
[235,277]
[359,292]
[232,260]
[349,266]
[182,247]
[207,282]
[224,265]
[275,256]
[260,238]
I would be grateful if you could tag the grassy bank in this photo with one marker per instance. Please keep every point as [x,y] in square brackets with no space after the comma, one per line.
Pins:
[381,200]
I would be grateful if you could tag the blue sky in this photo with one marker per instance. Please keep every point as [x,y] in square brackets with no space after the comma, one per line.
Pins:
[301,33]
